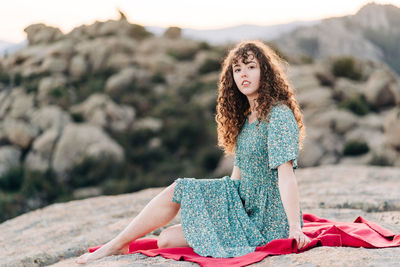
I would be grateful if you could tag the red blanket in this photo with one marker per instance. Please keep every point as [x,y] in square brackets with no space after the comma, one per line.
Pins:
[322,232]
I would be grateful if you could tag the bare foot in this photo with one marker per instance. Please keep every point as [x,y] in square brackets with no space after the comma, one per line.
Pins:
[106,250]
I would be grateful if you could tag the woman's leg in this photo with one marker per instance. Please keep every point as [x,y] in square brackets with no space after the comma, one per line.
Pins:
[158,212]
[172,237]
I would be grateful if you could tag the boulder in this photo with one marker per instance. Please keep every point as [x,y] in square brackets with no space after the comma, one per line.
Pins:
[120,81]
[347,89]
[78,66]
[39,157]
[317,98]
[54,65]
[372,121]
[16,103]
[96,52]
[22,105]
[173,33]
[100,110]
[80,141]
[303,77]
[40,33]
[311,153]
[50,116]
[339,120]
[119,61]
[127,78]
[392,128]
[61,49]
[19,132]
[382,89]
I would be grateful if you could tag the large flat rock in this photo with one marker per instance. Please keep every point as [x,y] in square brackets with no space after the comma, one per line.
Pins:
[57,234]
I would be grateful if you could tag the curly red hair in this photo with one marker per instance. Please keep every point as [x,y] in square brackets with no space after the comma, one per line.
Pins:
[233,106]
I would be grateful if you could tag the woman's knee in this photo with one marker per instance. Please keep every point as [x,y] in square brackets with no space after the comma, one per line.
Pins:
[163,240]
[172,237]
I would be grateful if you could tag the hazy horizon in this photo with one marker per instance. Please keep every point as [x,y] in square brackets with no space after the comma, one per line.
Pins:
[18,14]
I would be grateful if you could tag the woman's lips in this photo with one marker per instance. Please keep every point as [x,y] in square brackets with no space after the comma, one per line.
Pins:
[245,82]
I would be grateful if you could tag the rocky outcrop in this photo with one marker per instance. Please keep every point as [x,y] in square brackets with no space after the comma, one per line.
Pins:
[368,35]
[331,128]
[57,234]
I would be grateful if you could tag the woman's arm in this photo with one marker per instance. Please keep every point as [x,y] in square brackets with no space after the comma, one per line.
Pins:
[289,194]
[290,200]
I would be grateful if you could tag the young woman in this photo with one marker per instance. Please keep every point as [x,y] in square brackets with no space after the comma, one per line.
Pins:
[259,121]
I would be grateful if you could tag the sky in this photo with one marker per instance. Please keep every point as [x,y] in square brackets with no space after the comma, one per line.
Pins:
[15,15]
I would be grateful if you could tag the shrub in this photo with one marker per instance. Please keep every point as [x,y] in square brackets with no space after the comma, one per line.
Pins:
[61,97]
[347,67]
[16,79]
[12,179]
[209,158]
[10,205]
[77,117]
[92,172]
[204,46]
[42,185]
[210,65]
[4,76]
[117,186]
[183,54]
[355,147]
[92,83]
[358,105]
[379,160]
[58,92]
[158,78]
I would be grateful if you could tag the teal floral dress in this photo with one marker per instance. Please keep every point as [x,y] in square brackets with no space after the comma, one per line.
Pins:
[228,218]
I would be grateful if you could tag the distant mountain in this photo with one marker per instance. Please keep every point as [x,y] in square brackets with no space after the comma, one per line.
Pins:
[237,33]
[9,48]
[4,44]
[372,33]
[213,36]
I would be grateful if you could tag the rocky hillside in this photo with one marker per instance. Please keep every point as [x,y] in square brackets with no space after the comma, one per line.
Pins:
[109,108]
[372,33]
[57,234]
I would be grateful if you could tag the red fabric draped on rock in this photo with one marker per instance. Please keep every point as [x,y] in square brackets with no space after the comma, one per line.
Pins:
[322,232]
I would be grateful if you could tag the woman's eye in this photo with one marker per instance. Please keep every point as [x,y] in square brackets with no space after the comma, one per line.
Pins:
[236,70]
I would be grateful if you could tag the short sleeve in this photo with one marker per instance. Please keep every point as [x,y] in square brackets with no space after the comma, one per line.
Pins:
[283,137]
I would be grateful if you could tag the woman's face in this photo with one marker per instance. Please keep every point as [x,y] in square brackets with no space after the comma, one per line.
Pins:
[247,75]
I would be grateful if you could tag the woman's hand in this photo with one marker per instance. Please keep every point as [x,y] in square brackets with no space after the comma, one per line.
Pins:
[301,238]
